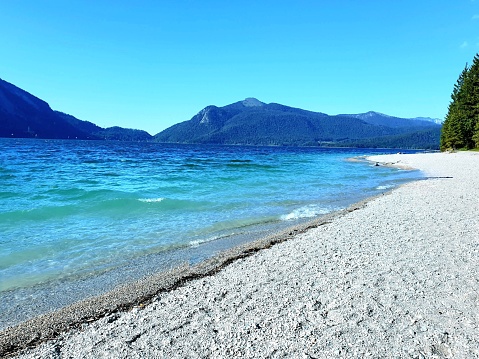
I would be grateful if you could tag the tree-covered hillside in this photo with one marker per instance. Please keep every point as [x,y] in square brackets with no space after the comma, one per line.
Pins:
[428,140]
[251,122]
[461,127]
[23,115]
[114,133]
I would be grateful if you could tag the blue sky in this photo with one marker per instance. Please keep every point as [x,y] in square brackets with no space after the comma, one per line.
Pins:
[150,64]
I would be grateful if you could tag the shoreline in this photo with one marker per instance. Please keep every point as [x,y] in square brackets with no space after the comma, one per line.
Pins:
[370,280]
[44,300]
[35,284]
[137,294]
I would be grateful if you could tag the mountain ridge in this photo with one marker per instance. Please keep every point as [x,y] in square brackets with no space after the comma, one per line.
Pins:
[425,121]
[247,122]
[23,115]
[276,124]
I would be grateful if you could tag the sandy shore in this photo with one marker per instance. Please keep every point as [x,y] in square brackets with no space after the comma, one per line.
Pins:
[399,277]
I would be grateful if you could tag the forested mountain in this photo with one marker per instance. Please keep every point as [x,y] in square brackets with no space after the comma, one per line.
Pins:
[110,133]
[248,122]
[428,138]
[380,119]
[23,115]
[253,122]
[461,127]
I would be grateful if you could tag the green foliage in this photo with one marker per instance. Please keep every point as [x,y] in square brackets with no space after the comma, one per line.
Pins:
[111,133]
[122,134]
[23,115]
[461,126]
[279,125]
[475,137]
[425,139]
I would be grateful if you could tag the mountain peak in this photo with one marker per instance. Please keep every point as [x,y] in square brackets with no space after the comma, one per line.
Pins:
[252,102]
[252,122]
[370,114]
[204,114]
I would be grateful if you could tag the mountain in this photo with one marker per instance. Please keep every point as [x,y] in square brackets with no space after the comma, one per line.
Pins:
[110,133]
[437,121]
[253,122]
[247,122]
[23,115]
[381,119]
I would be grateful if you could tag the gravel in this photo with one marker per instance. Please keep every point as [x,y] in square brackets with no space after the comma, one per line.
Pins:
[398,277]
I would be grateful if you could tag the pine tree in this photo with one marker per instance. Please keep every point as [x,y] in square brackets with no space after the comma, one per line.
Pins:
[461,126]
[452,134]
[470,106]
[474,78]
[475,137]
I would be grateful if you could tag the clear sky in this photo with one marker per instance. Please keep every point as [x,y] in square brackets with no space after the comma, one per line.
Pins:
[150,64]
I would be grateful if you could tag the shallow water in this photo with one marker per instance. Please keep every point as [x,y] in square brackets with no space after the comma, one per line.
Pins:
[76,211]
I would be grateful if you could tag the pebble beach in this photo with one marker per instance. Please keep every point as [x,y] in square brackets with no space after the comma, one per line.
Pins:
[394,277]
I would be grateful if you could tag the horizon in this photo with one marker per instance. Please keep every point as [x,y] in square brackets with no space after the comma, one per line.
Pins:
[153,65]
[248,98]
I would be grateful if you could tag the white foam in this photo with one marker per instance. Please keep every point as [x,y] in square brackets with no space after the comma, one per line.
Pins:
[383,187]
[151,200]
[197,242]
[305,212]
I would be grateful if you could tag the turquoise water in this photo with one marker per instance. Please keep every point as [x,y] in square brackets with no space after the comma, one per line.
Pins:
[76,209]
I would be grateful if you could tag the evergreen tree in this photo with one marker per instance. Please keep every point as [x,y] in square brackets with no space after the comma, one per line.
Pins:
[471,103]
[475,137]
[452,134]
[474,125]
[461,126]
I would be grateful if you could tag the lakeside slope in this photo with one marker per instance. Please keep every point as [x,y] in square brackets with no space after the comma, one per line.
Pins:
[398,277]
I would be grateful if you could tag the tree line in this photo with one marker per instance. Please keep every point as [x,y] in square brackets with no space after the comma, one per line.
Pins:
[461,126]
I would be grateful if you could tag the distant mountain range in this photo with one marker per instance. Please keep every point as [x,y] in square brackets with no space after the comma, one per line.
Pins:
[23,115]
[248,122]
[391,121]
[253,122]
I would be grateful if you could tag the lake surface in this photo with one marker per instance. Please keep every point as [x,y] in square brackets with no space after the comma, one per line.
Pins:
[78,217]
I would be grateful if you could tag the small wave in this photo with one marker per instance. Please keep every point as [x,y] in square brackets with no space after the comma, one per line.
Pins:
[250,166]
[93,161]
[8,194]
[110,174]
[151,200]
[7,176]
[305,212]
[38,214]
[240,161]
[381,188]
[197,242]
